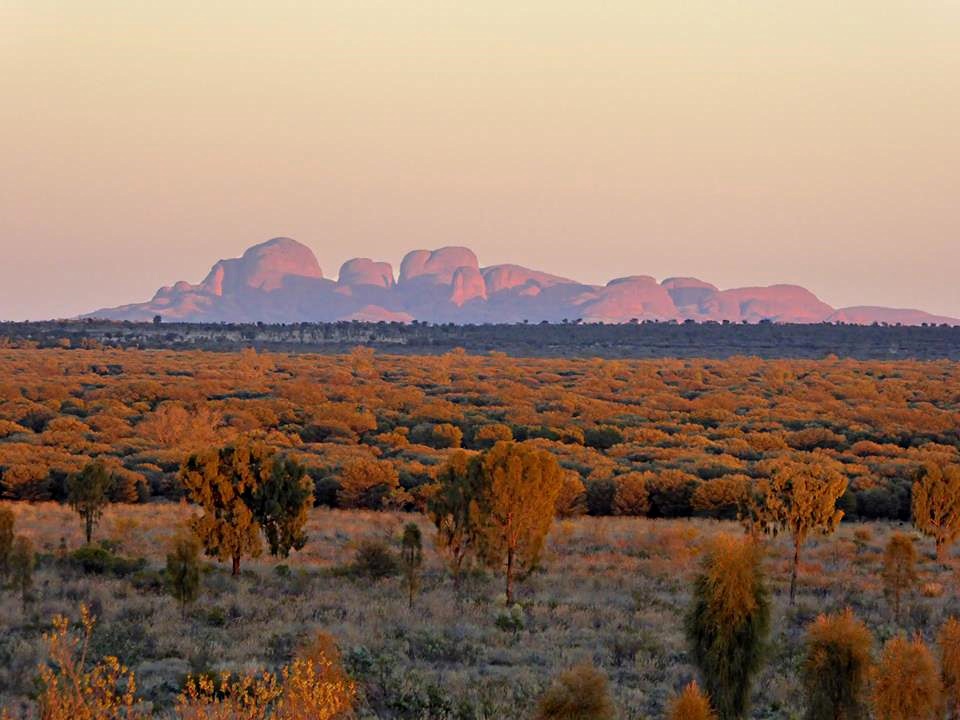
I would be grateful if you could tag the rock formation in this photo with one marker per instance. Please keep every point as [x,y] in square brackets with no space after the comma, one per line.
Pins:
[281,281]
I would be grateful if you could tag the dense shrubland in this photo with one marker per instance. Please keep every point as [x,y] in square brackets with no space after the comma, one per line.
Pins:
[462,581]
[666,438]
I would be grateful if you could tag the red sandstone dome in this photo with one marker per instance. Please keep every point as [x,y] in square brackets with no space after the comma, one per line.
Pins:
[437,265]
[364,271]
[281,281]
[263,267]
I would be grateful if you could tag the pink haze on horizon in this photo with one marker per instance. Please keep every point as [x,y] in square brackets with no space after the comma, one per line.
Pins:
[748,143]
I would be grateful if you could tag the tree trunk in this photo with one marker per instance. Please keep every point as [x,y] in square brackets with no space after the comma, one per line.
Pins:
[457,570]
[941,549]
[236,566]
[510,577]
[793,572]
[89,528]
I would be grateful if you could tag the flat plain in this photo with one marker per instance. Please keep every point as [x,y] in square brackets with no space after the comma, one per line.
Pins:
[612,591]
[613,587]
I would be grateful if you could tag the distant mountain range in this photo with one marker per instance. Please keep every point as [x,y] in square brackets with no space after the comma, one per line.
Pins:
[280,281]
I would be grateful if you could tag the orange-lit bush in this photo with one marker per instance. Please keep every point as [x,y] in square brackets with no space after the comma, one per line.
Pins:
[700,426]
[581,692]
[305,690]
[907,685]
[949,642]
[690,704]
[69,691]
[836,669]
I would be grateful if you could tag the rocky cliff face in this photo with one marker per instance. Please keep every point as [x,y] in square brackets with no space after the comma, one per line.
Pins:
[281,281]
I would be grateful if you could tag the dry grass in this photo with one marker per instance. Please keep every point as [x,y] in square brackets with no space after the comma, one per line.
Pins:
[612,593]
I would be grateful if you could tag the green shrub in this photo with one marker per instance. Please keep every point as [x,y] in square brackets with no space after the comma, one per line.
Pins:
[511,620]
[375,560]
[216,617]
[602,438]
[97,560]
[600,495]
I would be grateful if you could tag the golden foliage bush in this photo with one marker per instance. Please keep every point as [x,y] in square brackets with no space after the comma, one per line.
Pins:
[837,665]
[899,568]
[728,622]
[580,693]
[70,691]
[907,685]
[690,704]
[304,690]
[572,498]
[949,642]
[312,687]
[699,425]
[630,496]
[364,483]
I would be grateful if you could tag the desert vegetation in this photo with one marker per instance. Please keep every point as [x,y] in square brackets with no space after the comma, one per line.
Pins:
[203,535]
[666,438]
[613,617]
[566,338]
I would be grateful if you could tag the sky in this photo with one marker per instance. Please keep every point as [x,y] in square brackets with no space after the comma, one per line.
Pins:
[746,142]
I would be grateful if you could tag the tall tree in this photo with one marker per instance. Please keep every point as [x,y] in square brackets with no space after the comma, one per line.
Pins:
[906,683]
[281,505]
[7,522]
[22,560]
[899,568]
[728,622]
[88,494]
[411,558]
[801,498]
[517,506]
[836,668]
[453,509]
[223,483]
[183,570]
[936,504]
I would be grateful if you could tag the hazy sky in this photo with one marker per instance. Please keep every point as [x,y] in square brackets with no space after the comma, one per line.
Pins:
[746,142]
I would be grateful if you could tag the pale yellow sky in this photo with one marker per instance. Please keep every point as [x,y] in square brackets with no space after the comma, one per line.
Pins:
[746,142]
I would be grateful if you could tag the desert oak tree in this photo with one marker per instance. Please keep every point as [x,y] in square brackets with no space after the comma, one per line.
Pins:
[222,481]
[453,509]
[517,505]
[801,498]
[936,504]
[87,493]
